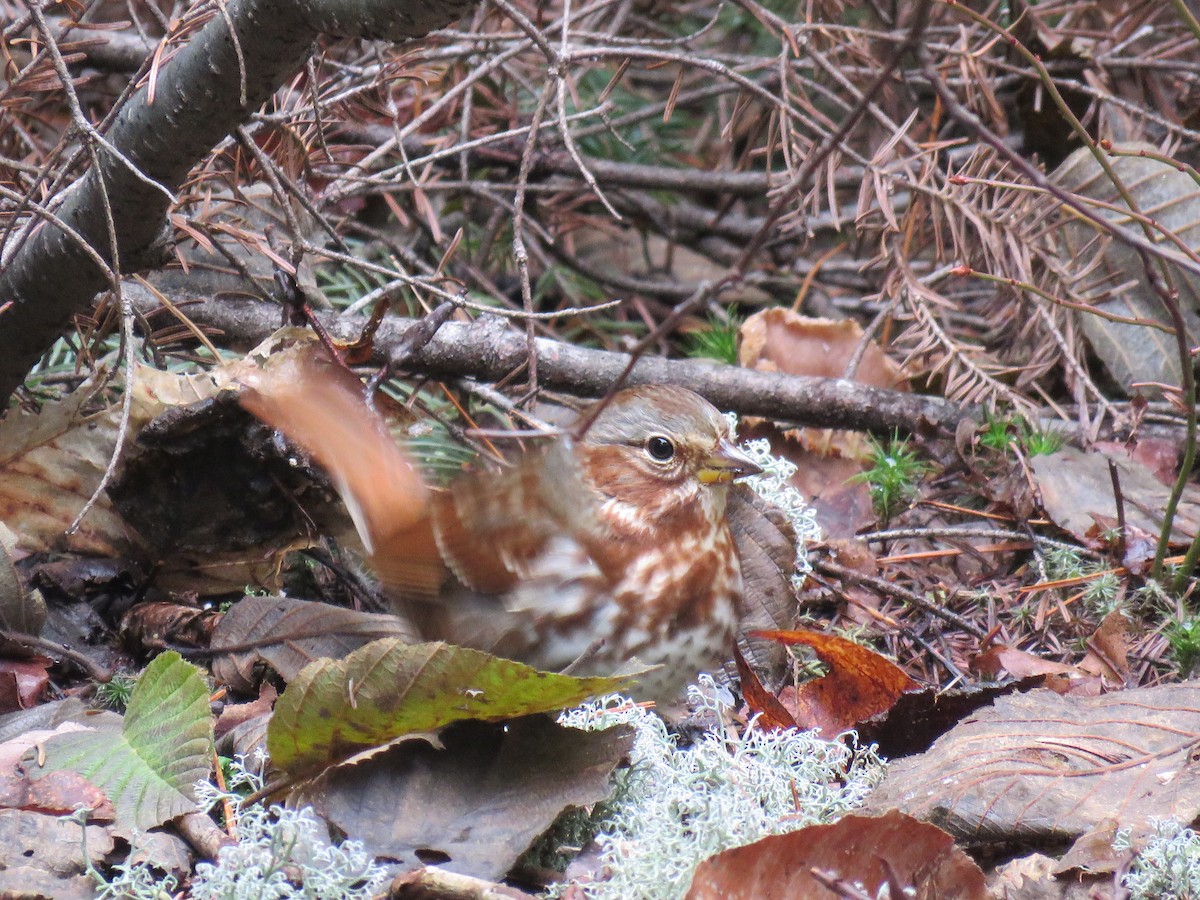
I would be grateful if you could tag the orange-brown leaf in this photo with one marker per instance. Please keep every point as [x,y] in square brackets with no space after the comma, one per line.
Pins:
[860,683]
[870,852]
[771,713]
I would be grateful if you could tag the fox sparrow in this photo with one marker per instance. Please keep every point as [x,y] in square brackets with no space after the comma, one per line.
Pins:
[596,551]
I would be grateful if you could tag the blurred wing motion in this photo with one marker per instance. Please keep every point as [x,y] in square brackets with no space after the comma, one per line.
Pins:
[495,528]
[320,407]
[510,533]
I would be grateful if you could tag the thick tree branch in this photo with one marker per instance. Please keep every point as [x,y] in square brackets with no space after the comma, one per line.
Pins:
[487,349]
[211,85]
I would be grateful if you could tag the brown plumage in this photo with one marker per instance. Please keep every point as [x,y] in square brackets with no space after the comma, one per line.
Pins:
[604,549]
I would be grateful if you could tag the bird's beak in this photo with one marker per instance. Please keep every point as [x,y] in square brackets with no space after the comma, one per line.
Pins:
[725,464]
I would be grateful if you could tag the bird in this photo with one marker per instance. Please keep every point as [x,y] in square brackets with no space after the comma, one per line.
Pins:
[607,546]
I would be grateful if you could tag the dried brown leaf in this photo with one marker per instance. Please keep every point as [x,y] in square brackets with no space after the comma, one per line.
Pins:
[868,852]
[1045,768]
[288,634]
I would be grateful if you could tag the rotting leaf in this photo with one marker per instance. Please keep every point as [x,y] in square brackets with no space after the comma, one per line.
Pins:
[860,683]
[475,804]
[867,852]
[290,634]
[387,689]
[1043,768]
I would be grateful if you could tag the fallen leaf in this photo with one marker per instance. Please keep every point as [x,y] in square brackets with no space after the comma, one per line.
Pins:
[843,505]
[996,660]
[1036,877]
[771,713]
[1076,488]
[235,714]
[870,853]
[56,794]
[1133,353]
[766,546]
[288,634]
[23,682]
[20,610]
[474,805]
[148,765]
[1093,851]
[1108,650]
[1041,768]
[387,689]
[50,464]
[782,340]
[43,855]
[148,627]
[860,683]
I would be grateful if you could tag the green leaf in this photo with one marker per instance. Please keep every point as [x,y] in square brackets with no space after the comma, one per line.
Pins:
[336,708]
[165,745]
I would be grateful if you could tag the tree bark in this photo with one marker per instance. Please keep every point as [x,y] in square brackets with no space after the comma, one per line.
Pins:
[209,87]
[488,350]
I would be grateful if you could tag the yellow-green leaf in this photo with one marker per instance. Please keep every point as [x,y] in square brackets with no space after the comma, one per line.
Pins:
[336,708]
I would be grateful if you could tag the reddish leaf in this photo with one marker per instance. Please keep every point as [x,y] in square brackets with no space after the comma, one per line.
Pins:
[58,794]
[771,713]
[236,714]
[1108,650]
[860,683]
[1019,664]
[22,682]
[857,850]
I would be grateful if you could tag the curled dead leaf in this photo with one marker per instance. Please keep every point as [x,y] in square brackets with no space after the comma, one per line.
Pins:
[860,683]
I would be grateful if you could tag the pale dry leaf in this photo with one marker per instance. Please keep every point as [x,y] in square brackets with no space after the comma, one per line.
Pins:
[20,610]
[1045,768]
[1077,491]
[1133,353]
[50,464]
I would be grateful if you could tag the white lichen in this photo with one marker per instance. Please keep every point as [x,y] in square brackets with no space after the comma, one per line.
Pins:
[1168,867]
[281,853]
[675,806]
[774,486]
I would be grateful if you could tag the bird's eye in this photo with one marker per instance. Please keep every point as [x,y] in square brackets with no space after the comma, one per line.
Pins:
[660,448]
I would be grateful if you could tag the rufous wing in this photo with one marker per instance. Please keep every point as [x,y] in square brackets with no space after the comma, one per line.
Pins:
[319,406]
[493,528]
